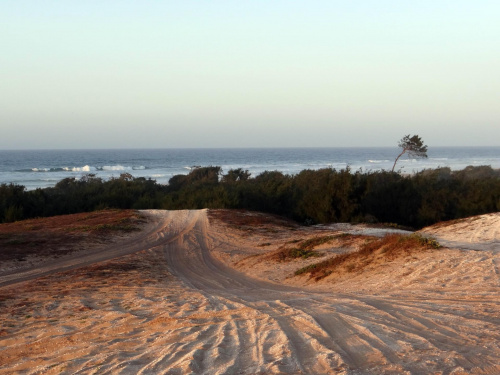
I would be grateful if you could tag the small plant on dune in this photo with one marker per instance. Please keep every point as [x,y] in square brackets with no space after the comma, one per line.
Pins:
[422,240]
[305,249]
[307,269]
[302,253]
[285,254]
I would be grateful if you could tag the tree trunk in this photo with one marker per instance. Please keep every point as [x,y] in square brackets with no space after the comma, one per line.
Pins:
[401,154]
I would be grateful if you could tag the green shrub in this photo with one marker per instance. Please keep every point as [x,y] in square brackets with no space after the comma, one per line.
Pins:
[312,196]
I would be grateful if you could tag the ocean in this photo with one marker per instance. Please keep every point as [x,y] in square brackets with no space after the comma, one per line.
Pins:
[44,168]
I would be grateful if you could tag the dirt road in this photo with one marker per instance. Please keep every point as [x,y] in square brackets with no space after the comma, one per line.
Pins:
[206,318]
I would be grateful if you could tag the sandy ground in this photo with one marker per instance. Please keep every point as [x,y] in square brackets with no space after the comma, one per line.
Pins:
[194,294]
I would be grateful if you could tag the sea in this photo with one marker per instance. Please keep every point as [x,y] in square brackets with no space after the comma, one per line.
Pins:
[44,168]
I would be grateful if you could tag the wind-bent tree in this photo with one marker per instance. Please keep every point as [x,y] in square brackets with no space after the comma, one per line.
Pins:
[413,146]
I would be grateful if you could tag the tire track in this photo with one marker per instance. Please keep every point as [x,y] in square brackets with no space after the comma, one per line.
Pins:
[323,332]
[213,319]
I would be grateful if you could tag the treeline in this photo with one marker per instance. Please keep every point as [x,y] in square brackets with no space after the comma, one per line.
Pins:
[312,196]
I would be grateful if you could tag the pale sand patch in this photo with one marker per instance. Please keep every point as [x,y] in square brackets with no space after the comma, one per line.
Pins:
[176,307]
[476,233]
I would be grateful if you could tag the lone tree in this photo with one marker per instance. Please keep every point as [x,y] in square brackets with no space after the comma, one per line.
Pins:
[413,146]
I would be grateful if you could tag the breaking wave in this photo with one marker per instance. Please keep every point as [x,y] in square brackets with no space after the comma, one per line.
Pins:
[87,168]
[41,169]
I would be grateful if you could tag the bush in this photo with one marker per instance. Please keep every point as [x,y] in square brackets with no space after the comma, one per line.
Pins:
[319,196]
[13,213]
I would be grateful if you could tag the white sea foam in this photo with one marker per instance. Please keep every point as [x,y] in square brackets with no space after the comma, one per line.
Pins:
[116,168]
[86,168]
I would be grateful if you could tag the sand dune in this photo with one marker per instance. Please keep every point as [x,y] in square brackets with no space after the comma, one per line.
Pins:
[196,297]
[475,233]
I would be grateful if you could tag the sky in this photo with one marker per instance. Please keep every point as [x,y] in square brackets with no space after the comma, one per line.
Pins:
[161,74]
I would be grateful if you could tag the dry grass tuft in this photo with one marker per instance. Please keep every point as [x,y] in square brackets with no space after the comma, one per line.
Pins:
[386,249]
[304,248]
[285,254]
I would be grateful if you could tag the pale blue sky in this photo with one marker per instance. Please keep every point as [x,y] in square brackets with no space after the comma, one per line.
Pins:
[108,74]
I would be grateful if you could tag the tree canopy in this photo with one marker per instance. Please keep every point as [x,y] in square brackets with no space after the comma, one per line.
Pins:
[413,146]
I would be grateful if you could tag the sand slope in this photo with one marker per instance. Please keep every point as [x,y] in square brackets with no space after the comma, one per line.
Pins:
[179,306]
[476,233]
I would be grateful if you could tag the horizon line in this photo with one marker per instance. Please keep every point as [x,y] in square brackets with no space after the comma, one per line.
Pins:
[229,148]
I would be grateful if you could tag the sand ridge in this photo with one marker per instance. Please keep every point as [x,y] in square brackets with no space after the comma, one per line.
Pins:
[181,304]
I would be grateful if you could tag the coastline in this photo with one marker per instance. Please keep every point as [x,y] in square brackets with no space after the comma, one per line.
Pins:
[35,169]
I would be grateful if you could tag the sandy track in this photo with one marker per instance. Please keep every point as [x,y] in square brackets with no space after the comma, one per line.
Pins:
[326,332]
[198,315]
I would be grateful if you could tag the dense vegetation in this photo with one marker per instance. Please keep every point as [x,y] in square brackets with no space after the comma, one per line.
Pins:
[312,196]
